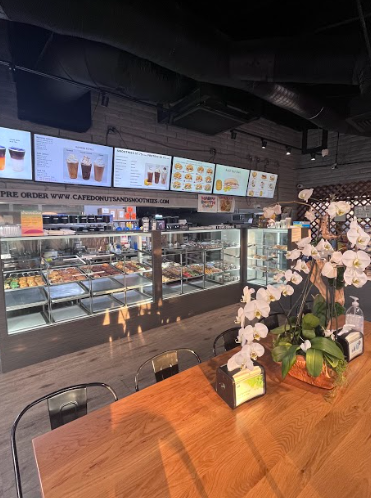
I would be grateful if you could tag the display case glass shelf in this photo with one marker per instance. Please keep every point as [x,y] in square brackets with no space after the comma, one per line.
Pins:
[266,254]
[198,260]
[54,279]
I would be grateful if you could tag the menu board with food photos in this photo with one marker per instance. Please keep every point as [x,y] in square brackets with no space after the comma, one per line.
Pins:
[261,184]
[230,180]
[192,176]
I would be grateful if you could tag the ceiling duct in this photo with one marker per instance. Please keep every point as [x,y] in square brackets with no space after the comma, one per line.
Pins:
[189,47]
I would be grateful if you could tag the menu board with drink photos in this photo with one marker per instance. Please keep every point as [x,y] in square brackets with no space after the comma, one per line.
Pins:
[141,170]
[192,176]
[261,184]
[58,160]
[15,154]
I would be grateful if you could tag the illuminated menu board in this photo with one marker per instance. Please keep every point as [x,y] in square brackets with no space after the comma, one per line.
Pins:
[58,160]
[192,176]
[15,154]
[261,184]
[141,170]
[230,180]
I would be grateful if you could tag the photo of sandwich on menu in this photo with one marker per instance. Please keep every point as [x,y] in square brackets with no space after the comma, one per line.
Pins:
[230,180]
[192,176]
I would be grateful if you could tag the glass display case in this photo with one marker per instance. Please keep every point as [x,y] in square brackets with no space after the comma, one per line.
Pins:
[266,254]
[195,260]
[54,279]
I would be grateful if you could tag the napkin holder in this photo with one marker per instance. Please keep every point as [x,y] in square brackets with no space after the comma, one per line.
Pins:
[238,386]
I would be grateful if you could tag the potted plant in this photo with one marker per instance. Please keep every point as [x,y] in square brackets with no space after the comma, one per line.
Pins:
[305,344]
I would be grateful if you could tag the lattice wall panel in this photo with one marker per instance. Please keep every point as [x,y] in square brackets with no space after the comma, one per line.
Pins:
[357,194]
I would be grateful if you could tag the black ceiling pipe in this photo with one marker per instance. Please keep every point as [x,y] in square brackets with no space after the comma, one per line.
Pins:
[187,47]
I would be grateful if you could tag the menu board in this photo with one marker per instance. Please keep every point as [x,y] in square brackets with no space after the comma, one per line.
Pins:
[142,170]
[261,184]
[58,160]
[192,176]
[15,154]
[230,180]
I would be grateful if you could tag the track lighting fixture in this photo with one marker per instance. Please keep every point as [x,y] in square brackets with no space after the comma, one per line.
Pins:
[288,150]
[233,135]
[312,156]
[264,143]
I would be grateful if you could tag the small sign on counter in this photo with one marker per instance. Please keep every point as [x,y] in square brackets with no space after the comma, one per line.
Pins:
[31,223]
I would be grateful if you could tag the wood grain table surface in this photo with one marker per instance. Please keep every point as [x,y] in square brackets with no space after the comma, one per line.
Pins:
[178,439]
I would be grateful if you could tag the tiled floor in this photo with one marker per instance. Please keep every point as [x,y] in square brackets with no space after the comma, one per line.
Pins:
[114,363]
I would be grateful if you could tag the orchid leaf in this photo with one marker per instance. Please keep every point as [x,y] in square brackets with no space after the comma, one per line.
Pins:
[280,351]
[319,309]
[310,321]
[279,330]
[333,362]
[308,333]
[327,346]
[289,360]
[314,361]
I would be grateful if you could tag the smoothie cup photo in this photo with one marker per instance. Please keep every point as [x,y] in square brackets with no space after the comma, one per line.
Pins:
[72,166]
[17,158]
[99,166]
[86,165]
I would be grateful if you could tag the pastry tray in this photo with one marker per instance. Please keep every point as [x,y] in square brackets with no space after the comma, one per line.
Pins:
[77,271]
[19,273]
[66,292]
[25,298]
[25,322]
[100,303]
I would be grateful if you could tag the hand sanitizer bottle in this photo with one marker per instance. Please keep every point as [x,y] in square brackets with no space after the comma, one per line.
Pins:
[354,316]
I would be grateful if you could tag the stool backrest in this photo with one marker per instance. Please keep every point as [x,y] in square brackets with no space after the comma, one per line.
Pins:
[227,340]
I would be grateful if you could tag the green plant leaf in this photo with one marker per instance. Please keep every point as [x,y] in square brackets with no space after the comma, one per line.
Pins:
[331,360]
[280,351]
[314,360]
[310,321]
[319,309]
[280,330]
[327,346]
[308,333]
[339,309]
[289,359]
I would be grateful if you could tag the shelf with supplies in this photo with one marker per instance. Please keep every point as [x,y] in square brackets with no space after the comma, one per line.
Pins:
[68,279]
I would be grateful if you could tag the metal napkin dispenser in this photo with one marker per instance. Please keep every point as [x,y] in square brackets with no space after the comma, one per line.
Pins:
[238,386]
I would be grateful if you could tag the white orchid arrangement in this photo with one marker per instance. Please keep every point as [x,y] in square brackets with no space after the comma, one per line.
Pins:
[306,334]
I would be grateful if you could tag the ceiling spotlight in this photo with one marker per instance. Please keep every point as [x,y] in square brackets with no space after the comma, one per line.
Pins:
[233,135]
[288,150]
[264,143]
[313,156]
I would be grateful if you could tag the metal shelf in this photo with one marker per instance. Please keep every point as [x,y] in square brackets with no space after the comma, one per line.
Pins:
[28,297]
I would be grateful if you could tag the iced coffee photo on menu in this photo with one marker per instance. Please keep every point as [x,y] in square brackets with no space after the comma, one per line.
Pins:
[15,154]
[59,160]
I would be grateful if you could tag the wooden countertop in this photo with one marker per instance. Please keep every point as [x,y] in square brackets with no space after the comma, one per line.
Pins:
[178,439]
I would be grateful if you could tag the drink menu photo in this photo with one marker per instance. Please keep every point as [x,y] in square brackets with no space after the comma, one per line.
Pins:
[261,184]
[15,154]
[58,160]
[141,170]
[192,176]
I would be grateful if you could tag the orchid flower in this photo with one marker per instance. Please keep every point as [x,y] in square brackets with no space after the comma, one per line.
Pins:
[359,260]
[252,333]
[310,251]
[305,346]
[310,215]
[338,208]
[286,290]
[355,277]
[357,236]
[305,194]
[240,318]
[242,359]
[329,333]
[336,257]
[279,276]
[247,292]
[256,350]
[270,294]
[301,265]
[294,254]
[269,211]
[329,270]
[257,309]
[303,242]
[324,246]
[293,277]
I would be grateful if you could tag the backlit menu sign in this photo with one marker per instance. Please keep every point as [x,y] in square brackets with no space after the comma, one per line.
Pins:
[261,184]
[192,176]
[58,160]
[230,180]
[15,154]
[141,170]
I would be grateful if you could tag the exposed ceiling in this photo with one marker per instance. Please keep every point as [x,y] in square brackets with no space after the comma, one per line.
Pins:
[301,65]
